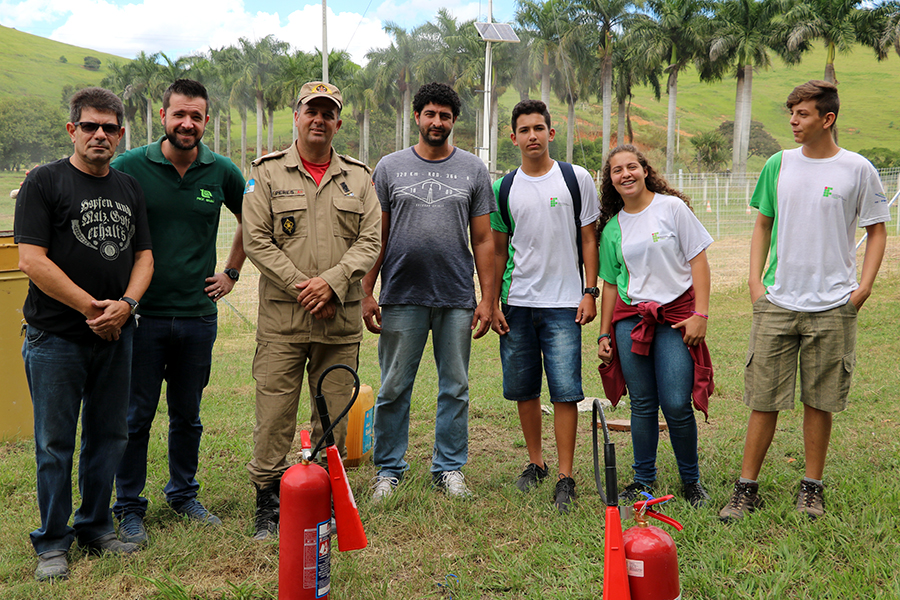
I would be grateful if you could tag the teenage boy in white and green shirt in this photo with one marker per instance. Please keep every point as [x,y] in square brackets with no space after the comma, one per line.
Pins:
[544,301]
[811,200]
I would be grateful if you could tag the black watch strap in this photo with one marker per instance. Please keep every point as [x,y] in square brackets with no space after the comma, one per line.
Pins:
[593,291]
[131,302]
[233,274]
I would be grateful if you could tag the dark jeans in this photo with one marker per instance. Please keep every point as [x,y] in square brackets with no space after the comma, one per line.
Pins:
[179,351]
[66,377]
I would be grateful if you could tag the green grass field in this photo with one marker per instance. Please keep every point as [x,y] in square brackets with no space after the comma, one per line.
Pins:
[504,544]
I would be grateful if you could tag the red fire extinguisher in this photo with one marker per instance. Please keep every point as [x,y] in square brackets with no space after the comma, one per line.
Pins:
[651,556]
[305,522]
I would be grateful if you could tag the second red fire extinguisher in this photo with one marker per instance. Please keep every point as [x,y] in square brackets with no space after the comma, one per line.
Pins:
[651,556]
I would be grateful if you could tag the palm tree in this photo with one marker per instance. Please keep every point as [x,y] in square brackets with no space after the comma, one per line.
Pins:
[120,78]
[574,67]
[544,22]
[396,65]
[359,94]
[297,69]
[628,73]
[743,35]
[838,23]
[607,18]
[226,61]
[670,35]
[260,67]
[145,68]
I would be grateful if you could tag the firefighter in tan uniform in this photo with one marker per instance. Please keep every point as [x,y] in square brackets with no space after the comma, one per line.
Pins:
[312,226]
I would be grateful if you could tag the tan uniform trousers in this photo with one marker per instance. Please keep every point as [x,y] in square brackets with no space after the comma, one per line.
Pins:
[278,370]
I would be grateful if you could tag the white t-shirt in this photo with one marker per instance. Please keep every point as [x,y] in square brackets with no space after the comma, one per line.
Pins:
[542,270]
[816,204]
[647,254]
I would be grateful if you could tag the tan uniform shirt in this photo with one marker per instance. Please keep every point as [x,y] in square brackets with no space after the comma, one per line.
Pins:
[295,230]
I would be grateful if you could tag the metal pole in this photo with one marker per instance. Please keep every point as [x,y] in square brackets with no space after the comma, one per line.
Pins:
[485,150]
[324,42]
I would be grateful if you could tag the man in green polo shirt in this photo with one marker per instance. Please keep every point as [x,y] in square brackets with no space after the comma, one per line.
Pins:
[185,185]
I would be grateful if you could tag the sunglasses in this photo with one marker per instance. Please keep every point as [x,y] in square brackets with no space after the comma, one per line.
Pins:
[90,127]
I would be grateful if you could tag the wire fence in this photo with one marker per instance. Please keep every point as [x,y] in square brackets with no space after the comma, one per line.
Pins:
[720,201]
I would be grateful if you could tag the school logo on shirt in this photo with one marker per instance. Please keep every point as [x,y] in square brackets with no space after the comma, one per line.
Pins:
[554,202]
[205,196]
[655,236]
[827,192]
[288,225]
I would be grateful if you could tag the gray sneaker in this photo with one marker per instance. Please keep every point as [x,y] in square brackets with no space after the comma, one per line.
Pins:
[52,566]
[744,500]
[454,484]
[193,510]
[110,543]
[810,499]
[131,529]
[382,487]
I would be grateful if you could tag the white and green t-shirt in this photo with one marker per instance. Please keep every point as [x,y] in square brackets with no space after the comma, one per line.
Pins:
[647,254]
[816,204]
[542,270]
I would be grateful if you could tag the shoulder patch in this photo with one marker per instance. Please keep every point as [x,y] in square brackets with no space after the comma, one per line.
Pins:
[355,161]
[270,155]
[251,185]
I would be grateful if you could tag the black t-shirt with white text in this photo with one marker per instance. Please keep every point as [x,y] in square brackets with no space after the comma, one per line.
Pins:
[91,227]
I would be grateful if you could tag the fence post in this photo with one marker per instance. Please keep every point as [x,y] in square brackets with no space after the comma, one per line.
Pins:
[718,236]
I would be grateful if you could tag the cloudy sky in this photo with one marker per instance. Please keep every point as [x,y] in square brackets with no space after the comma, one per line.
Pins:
[178,27]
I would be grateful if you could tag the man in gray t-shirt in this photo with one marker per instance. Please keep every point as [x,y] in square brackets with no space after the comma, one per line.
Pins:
[432,195]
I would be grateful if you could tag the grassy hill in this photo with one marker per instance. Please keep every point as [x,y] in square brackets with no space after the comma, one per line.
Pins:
[869,91]
[30,65]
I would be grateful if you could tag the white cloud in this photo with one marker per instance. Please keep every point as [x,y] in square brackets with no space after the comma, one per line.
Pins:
[170,26]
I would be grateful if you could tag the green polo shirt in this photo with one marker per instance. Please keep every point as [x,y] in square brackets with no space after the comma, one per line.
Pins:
[183,213]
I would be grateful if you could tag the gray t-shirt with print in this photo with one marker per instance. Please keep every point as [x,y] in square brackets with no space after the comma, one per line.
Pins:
[427,260]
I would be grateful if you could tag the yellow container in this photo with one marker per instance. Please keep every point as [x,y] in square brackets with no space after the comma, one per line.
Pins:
[16,416]
[360,428]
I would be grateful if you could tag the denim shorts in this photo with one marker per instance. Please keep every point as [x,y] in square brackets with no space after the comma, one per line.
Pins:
[825,343]
[551,333]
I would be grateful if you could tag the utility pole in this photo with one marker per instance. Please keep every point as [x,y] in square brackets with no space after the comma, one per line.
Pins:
[324,42]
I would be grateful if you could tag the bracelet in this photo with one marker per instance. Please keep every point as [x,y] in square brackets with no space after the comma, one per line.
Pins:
[604,335]
[701,315]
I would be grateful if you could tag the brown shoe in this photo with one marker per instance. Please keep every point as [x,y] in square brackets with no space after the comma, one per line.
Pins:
[745,499]
[811,499]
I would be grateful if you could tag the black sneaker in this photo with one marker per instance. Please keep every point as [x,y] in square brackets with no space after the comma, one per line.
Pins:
[131,529]
[531,476]
[632,493]
[268,506]
[695,494]
[194,511]
[744,500]
[564,495]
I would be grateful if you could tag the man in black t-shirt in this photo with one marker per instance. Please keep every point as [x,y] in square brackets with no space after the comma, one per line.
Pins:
[84,243]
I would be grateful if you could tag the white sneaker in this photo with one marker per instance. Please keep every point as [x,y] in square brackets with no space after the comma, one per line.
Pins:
[382,487]
[454,484]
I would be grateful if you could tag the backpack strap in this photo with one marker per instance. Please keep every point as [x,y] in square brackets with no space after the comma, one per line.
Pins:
[568,174]
[503,200]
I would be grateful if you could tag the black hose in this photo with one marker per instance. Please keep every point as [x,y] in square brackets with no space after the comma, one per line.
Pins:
[322,408]
[611,497]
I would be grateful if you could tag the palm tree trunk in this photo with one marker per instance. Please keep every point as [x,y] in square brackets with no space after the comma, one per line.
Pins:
[217,126]
[244,142]
[398,129]
[746,110]
[228,132]
[406,114]
[545,80]
[259,124]
[149,121]
[365,147]
[271,144]
[607,101]
[622,119]
[670,128]
[570,129]
[127,134]
[630,131]
[738,122]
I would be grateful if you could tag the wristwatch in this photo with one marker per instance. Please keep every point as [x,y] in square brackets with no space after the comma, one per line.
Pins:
[131,302]
[593,291]
[233,273]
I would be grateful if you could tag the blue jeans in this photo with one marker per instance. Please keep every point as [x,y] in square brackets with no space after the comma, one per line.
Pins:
[65,377]
[551,333]
[179,350]
[663,379]
[404,331]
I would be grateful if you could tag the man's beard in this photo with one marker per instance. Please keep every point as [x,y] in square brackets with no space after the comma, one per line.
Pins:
[431,141]
[173,139]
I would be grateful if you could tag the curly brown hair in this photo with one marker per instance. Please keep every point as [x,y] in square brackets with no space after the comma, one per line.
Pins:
[611,201]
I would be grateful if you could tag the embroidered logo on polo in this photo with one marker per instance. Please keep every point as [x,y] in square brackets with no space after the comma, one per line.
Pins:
[105,225]
[205,196]
[430,191]
[288,225]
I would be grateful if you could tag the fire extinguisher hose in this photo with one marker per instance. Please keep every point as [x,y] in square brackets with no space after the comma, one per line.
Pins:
[327,425]
[611,497]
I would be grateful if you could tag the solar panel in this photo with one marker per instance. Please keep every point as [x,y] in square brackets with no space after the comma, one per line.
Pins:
[496,32]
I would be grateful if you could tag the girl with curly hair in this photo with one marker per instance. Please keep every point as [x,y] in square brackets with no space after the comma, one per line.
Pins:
[654,313]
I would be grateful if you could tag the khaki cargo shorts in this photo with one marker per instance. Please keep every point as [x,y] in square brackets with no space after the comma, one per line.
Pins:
[825,342]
